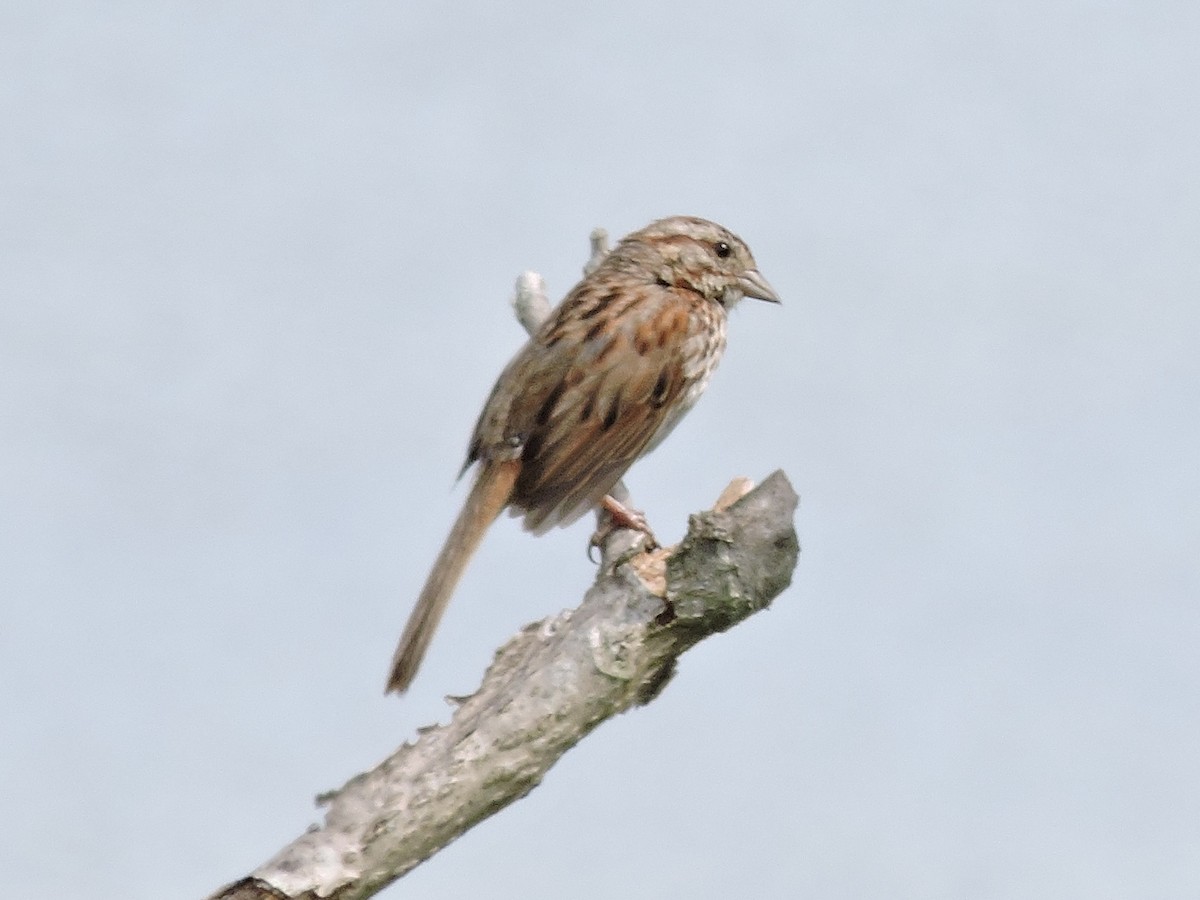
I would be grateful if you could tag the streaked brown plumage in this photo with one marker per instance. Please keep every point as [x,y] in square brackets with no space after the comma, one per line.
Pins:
[603,381]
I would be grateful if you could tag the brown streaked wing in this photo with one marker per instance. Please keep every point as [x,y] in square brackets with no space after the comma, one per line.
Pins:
[611,394]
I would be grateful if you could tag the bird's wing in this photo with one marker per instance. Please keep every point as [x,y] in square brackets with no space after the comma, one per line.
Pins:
[594,390]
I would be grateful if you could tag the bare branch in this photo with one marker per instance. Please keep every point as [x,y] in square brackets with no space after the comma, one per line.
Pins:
[530,302]
[599,241]
[547,687]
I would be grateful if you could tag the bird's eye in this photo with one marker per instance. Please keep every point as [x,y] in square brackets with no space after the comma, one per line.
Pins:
[722,249]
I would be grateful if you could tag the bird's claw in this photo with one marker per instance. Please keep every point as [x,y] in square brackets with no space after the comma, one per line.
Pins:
[616,516]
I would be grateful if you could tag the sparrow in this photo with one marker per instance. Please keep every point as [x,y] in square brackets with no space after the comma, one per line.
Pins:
[602,382]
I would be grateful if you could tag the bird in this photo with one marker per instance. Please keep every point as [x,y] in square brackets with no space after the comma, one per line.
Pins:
[599,384]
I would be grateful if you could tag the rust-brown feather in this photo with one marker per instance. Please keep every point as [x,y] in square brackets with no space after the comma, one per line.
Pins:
[593,400]
[489,495]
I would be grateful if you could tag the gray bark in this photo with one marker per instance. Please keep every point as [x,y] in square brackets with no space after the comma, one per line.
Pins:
[547,688]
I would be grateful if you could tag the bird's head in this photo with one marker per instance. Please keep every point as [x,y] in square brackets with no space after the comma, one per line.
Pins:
[697,255]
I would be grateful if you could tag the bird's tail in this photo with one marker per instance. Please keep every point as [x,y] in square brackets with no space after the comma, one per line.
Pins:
[489,495]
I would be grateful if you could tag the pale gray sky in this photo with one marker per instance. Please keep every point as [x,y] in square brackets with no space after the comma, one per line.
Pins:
[255,266]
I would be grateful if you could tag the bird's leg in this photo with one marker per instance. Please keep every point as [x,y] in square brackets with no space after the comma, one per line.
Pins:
[614,514]
[623,516]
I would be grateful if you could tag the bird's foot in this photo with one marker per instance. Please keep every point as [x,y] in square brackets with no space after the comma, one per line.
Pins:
[615,516]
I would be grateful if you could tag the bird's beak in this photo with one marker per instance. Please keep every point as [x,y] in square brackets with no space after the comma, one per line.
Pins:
[754,285]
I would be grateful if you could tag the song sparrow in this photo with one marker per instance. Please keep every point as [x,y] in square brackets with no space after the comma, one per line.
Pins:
[606,377]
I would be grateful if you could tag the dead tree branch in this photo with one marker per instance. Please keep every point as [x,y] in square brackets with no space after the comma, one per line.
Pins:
[547,687]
